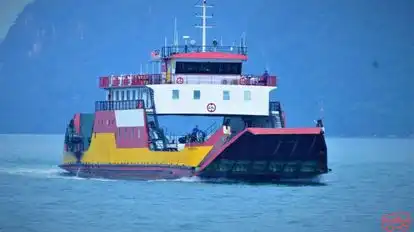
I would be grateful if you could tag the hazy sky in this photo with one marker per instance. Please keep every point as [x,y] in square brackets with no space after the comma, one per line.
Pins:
[353,58]
[9,9]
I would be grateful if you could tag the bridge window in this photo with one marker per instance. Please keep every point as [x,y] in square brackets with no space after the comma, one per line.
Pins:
[117,95]
[196,94]
[247,95]
[226,95]
[208,68]
[134,94]
[175,94]
[122,95]
[127,95]
[139,93]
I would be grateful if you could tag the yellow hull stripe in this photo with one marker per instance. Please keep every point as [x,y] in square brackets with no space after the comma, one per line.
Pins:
[103,150]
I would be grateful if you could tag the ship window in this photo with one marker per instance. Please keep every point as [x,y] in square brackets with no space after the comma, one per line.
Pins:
[208,68]
[196,94]
[175,94]
[122,95]
[127,95]
[117,95]
[247,95]
[134,94]
[132,132]
[226,95]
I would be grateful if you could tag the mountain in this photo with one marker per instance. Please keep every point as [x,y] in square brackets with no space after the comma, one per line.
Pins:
[334,56]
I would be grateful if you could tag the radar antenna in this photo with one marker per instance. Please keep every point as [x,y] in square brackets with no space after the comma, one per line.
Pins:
[204,26]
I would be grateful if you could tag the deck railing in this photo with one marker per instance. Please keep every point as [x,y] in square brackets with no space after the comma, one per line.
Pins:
[155,79]
[172,50]
[119,105]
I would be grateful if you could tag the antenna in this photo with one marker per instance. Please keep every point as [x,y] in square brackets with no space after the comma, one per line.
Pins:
[204,26]
[243,40]
[175,33]
[321,110]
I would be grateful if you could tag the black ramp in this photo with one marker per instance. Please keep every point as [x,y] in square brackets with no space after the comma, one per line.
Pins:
[273,153]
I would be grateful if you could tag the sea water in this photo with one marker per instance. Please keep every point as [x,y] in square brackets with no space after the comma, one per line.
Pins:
[370,177]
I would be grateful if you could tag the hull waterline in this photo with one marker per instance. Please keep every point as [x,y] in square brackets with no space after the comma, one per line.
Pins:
[130,172]
[139,172]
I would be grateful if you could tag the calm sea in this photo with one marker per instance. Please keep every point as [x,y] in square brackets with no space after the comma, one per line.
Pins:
[370,177]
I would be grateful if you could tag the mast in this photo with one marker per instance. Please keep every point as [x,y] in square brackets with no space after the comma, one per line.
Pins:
[204,26]
[175,43]
[243,40]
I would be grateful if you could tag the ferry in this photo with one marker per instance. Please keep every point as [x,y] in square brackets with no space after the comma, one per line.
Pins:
[123,138]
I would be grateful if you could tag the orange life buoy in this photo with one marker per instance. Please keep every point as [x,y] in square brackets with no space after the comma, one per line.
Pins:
[243,81]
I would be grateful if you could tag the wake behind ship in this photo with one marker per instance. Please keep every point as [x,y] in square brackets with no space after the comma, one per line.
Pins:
[123,139]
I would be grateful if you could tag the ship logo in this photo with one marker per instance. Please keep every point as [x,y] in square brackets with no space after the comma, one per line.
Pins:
[211,107]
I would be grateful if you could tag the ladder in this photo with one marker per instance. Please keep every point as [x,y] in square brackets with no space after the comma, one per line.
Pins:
[156,136]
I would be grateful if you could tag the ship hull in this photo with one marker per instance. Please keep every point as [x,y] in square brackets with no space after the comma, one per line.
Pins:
[254,154]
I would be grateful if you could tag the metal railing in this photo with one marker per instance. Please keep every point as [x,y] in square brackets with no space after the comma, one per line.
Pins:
[119,105]
[174,138]
[224,80]
[130,80]
[172,50]
[156,79]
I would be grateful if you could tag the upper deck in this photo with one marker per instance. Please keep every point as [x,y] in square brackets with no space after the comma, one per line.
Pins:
[210,52]
[196,79]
